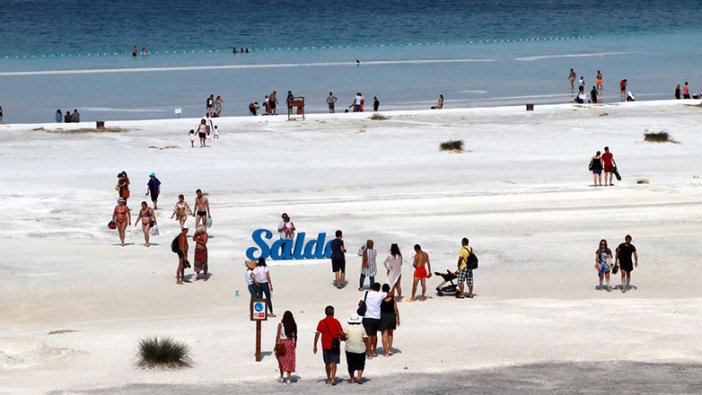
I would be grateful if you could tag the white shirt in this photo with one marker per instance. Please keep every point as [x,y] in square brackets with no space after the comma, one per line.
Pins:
[354,338]
[247,276]
[373,301]
[283,235]
[260,274]
[357,100]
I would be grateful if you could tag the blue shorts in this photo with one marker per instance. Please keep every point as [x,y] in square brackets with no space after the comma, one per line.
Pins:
[604,268]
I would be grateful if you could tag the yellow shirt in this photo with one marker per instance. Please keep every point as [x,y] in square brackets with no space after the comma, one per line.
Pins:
[463,254]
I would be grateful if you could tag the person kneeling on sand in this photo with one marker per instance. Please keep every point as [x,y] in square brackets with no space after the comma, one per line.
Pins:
[332,333]
[356,344]
[421,262]
[371,318]
[200,260]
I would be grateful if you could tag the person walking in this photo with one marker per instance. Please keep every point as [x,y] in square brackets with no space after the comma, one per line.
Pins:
[678,94]
[622,89]
[369,268]
[273,102]
[393,265]
[356,344]
[610,166]
[331,102]
[285,345]
[202,209]
[148,221]
[686,91]
[218,106]
[376,103]
[200,259]
[571,77]
[581,85]
[600,80]
[371,318]
[286,229]
[421,273]
[209,105]
[288,102]
[465,272]
[596,166]
[202,132]
[153,188]
[263,283]
[624,262]
[603,263]
[122,186]
[122,217]
[389,319]
[182,210]
[331,333]
[338,260]
[182,245]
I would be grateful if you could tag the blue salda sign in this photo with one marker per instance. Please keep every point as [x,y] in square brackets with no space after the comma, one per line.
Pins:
[318,248]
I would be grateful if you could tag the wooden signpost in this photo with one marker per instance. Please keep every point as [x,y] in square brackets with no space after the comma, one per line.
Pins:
[259,313]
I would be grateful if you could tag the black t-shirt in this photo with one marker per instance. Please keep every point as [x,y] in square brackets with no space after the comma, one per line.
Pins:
[625,253]
[336,249]
[387,306]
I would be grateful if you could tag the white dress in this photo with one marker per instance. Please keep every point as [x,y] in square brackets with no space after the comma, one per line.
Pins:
[394,266]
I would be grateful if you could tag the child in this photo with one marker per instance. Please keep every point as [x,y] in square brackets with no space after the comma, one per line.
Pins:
[191,133]
[216,133]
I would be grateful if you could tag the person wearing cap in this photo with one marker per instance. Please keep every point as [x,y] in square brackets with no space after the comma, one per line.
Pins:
[153,189]
[182,255]
[356,344]
[330,330]
[287,234]
[122,217]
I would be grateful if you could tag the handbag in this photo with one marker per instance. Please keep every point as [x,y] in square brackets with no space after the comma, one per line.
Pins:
[361,311]
[154,230]
[615,269]
[280,350]
[336,344]
[112,225]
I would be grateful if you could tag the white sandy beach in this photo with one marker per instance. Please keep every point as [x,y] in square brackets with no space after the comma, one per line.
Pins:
[520,192]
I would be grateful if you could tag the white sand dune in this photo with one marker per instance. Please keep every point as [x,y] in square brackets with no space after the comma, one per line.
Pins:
[520,192]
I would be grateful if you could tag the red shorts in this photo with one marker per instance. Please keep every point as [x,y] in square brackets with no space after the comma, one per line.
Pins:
[420,272]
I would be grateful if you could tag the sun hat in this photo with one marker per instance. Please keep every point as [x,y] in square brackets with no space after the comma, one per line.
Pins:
[185,227]
[152,175]
[355,319]
[121,200]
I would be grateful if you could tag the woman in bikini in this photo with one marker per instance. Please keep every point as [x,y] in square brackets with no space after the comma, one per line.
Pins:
[148,220]
[200,239]
[182,210]
[122,217]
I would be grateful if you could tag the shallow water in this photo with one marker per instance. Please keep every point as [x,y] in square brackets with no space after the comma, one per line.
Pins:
[474,52]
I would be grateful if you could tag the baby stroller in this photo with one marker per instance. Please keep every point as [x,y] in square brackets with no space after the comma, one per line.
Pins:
[447,287]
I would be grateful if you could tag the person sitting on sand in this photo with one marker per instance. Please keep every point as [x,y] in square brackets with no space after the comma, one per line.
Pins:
[439,104]
[263,283]
[356,344]
[75,117]
[182,255]
[369,268]
[393,265]
[389,319]
[67,118]
[122,217]
[202,209]
[58,116]
[181,211]
[421,273]
[286,340]
[331,331]
[603,263]
[200,260]
[148,221]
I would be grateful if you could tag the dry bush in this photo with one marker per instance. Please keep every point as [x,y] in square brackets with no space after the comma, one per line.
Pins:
[452,145]
[660,137]
[642,181]
[164,352]
[379,117]
[88,130]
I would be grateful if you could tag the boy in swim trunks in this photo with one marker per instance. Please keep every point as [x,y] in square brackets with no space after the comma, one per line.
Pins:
[421,273]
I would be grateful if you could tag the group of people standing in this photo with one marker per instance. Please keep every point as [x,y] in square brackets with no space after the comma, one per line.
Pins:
[68,118]
[595,92]
[683,93]
[213,106]
[622,262]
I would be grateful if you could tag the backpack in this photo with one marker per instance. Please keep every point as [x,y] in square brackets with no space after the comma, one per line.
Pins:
[175,246]
[472,261]
[589,167]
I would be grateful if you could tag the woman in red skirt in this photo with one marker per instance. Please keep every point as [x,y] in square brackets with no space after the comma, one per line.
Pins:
[285,344]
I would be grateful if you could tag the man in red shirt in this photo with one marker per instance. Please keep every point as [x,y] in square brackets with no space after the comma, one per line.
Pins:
[330,329]
[609,166]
